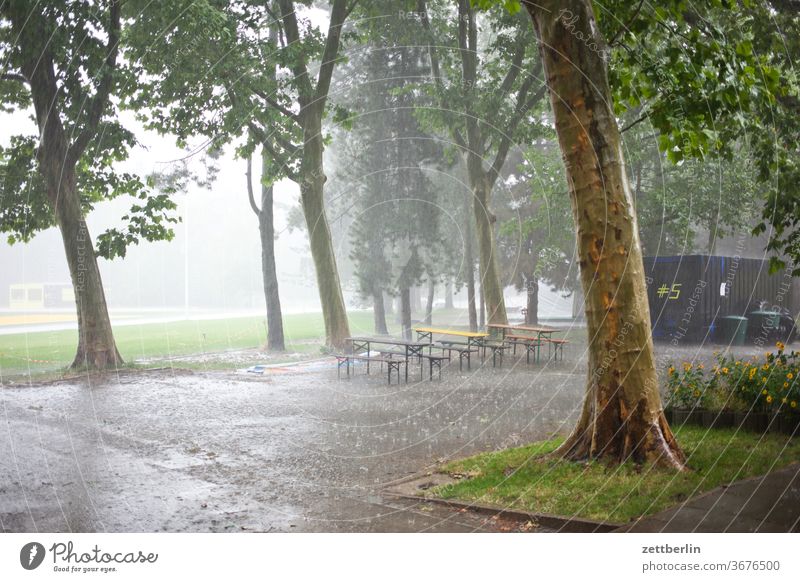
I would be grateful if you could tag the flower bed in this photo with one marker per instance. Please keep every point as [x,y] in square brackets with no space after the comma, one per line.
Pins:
[761,394]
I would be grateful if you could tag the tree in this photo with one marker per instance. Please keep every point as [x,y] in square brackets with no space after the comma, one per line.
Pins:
[622,416]
[506,89]
[266,228]
[63,61]
[536,242]
[221,51]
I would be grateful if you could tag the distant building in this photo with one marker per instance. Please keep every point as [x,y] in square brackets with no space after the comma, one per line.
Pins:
[40,295]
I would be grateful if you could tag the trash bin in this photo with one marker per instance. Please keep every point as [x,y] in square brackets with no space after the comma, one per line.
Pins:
[732,330]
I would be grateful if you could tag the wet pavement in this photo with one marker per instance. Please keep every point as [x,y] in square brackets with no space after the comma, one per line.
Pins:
[292,450]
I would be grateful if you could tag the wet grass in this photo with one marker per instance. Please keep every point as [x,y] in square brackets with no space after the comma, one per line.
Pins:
[49,352]
[46,354]
[518,478]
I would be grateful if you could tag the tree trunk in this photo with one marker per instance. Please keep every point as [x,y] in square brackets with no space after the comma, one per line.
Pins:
[712,239]
[482,303]
[379,312]
[266,227]
[532,307]
[388,303]
[469,266]
[491,287]
[96,346]
[405,312]
[622,417]
[429,304]
[312,182]
[448,294]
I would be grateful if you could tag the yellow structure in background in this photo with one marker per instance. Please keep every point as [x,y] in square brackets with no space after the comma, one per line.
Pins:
[40,295]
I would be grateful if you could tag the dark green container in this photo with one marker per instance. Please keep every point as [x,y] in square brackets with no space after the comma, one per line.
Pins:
[732,330]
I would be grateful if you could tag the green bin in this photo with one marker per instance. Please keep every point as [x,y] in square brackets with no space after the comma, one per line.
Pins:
[732,330]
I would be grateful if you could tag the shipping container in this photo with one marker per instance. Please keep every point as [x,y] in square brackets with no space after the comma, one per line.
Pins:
[689,296]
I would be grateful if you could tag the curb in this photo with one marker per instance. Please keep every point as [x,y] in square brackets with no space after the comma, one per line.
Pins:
[550,521]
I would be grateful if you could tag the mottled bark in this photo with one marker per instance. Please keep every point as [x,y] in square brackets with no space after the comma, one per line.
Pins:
[622,417]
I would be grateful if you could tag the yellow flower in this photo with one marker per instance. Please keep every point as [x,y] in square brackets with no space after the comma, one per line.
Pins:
[738,362]
[671,370]
[696,393]
[765,367]
[780,346]
[752,372]
[769,399]
[701,367]
[783,400]
[785,384]
[790,375]
[793,404]
[764,392]
[763,380]
[687,366]
[724,371]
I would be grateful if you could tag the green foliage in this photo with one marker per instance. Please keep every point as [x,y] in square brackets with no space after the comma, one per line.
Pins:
[76,36]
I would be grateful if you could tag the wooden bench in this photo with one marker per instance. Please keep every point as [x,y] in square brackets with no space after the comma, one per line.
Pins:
[461,348]
[348,360]
[532,346]
[433,362]
[497,347]
[558,346]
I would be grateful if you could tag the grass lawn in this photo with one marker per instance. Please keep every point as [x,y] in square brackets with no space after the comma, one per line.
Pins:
[49,351]
[514,478]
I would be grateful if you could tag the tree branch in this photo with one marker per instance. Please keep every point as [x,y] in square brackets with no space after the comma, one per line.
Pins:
[436,72]
[100,100]
[641,118]
[250,195]
[19,77]
[275,105]
[329,54]
[626,26]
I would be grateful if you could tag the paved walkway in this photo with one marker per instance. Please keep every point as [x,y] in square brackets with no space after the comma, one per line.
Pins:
[769,503]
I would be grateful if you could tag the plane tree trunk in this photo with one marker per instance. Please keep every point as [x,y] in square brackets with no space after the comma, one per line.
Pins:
[622,417]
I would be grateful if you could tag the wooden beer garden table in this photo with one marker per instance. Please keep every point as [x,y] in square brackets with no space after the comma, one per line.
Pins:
[543,333]
[410,348]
